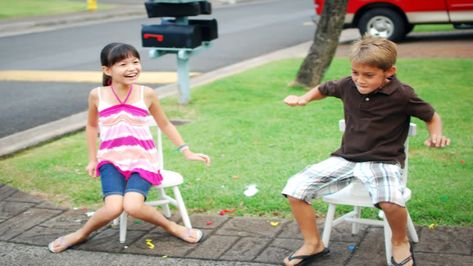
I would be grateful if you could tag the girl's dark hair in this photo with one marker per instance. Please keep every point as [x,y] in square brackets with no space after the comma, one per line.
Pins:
[113,53]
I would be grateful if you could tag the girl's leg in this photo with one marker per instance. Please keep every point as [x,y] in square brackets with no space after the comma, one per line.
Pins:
[113,187]
[112,209]
[134,206]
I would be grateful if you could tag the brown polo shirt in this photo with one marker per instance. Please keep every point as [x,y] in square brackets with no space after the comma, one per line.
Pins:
[377,124]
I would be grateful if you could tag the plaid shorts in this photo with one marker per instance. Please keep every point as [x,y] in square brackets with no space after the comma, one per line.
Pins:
[382,180]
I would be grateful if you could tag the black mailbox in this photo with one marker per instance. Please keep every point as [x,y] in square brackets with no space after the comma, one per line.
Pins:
[158,9]
[208,27]
[171,36]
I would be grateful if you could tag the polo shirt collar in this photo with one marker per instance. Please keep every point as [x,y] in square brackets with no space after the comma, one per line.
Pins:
[391,87]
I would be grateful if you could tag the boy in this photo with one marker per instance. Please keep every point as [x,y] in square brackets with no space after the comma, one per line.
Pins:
[377,110]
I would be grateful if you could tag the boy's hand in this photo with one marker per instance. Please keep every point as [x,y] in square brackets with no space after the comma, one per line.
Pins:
[293,100]
[437,141]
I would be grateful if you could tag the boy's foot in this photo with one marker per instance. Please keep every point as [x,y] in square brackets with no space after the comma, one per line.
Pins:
[187,234]
[64,242]
[305,254]
[403,255]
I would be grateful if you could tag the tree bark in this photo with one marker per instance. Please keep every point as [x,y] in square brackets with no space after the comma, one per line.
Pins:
[324,44]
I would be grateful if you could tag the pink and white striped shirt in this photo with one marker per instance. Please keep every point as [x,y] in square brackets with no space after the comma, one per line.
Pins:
[126,140]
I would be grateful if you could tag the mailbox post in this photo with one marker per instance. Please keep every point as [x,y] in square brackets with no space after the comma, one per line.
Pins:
[181,36]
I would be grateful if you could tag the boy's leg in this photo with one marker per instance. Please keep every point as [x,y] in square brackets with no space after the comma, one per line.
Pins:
[304,214]
[385,186]
[397,219]
[135,195]
[320,179]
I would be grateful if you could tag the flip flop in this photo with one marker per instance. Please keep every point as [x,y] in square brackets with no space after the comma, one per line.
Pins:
[308,258]
[406,260]
[63,245]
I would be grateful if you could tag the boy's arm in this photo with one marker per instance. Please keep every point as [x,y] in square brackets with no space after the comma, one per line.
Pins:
[312,95]
[436,139]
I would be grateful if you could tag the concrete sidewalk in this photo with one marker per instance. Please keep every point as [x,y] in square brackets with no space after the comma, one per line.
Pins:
[28,224]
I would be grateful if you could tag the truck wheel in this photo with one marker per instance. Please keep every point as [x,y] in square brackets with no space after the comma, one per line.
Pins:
[409,28]
[383,22]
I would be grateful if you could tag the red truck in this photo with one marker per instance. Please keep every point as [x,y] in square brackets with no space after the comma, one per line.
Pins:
[394,19]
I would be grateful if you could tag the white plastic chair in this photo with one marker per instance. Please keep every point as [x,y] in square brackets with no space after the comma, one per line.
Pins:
[356,195]
[171,180]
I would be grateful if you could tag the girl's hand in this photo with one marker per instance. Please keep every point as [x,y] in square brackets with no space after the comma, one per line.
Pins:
[437,141]
[197,157]
[293,100]
[91,168]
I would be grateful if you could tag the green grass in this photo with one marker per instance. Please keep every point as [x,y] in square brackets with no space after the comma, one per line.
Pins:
[254,138]
[433,27]
[25,8]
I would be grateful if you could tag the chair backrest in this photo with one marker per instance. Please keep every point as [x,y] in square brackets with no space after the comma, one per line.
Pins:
[412,132]
[159,140]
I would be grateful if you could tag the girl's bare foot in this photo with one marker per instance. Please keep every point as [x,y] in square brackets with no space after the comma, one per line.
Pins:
[186,234]
[64,242]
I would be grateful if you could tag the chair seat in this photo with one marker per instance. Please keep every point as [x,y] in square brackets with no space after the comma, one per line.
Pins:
[170,179]
[355,194]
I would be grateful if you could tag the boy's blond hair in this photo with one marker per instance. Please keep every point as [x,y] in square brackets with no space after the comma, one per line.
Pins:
[374,51]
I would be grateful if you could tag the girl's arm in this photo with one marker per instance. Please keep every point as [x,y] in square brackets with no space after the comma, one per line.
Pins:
[312,95]
[436,139]
[91,131]
[169,129]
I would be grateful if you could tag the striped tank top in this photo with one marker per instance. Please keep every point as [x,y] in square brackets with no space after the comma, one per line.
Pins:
[126,140]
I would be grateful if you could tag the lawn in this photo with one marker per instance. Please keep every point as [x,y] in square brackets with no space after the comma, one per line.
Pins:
[254,138]
[25,8]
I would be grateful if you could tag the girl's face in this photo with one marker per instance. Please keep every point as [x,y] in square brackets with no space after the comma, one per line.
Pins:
[126,71]
[368,78]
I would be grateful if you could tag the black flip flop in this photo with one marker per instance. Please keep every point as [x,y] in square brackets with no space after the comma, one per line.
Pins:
[406,260]
[308,258]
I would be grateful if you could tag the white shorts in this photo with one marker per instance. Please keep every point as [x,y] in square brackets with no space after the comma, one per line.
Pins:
[382,180]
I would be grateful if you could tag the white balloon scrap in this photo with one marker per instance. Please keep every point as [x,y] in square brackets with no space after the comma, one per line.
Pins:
[251,190]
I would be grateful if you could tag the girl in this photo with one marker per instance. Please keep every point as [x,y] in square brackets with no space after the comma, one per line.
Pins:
[127,158]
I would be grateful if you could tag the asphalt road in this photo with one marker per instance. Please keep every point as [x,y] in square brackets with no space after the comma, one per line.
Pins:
[245,31]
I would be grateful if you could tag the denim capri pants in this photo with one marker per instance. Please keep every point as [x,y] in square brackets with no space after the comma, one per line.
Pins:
[114,183]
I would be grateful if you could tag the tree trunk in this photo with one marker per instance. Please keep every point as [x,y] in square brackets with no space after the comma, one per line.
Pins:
[324,45]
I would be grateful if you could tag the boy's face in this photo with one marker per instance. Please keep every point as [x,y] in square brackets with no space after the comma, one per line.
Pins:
[369,78]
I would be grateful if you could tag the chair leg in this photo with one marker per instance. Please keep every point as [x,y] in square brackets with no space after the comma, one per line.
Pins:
[328,224]
[355,227]
[162,196]
[182,207]
[123,225]
[387,240]
[412,229]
